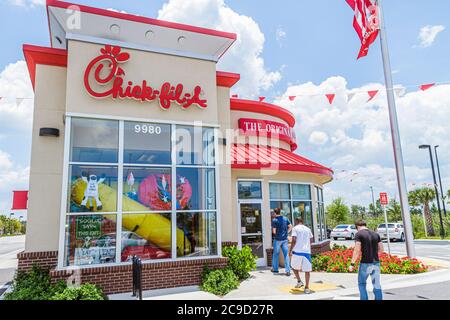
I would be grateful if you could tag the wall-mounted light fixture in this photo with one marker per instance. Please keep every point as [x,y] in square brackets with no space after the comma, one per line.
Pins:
[222,141]
[49,132]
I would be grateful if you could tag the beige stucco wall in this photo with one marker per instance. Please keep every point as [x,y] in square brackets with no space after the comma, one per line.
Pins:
[46,166]
[156,69]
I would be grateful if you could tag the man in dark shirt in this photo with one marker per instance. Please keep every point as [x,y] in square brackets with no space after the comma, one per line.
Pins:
[367,244]
[281,227]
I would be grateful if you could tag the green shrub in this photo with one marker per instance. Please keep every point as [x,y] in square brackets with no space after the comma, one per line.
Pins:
[84,292]
[34,285]
[219,282]
[241,262]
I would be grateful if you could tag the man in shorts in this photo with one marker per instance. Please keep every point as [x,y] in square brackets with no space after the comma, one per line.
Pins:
[301,253]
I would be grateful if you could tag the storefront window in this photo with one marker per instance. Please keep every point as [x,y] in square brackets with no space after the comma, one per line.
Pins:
[146,189]
[196,189]
[249,190]
[285,196]
[195,146]
[147,143]
[140,179]
[92,188]
[94,141]
[322,230]
[196,234]
[147,236]
[90,239]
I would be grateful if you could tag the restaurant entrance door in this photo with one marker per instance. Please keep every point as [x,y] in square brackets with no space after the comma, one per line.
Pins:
[252,229]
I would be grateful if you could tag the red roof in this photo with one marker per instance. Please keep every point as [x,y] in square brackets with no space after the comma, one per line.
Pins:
[265,157]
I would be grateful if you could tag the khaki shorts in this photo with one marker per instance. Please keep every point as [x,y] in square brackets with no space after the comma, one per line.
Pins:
[300,263]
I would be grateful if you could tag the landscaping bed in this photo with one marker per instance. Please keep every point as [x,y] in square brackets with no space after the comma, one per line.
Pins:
[339,258]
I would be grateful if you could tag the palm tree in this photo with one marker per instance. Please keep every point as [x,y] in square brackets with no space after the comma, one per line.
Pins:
[424,196]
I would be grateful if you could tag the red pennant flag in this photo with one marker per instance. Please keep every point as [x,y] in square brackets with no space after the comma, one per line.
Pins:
[261,99]
[372,94]
[425,87]
[20,199]
[330,97]
[292,98]
[234,96]
[365,23]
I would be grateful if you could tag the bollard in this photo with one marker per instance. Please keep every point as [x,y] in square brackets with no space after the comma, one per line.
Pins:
[137,277]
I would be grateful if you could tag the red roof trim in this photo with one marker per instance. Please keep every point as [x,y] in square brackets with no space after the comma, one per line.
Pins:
[227,79]
[42,55]
[132,17]
[263,108]
[263,157]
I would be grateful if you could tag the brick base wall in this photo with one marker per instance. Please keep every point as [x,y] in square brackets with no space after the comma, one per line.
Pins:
[44,259]
[316,248]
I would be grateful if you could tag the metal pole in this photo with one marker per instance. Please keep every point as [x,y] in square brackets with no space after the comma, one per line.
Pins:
[400,170]
[440,180]
[442,232]
[373,202]
[386,225]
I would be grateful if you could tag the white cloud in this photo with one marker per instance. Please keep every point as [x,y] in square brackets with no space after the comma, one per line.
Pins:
[354,138]
[244,57]
[280,34]
[428,34]
[27,3]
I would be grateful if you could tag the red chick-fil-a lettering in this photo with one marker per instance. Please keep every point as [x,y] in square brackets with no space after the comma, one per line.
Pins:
[105,71]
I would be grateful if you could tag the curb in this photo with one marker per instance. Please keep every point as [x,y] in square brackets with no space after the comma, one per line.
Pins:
[436,242]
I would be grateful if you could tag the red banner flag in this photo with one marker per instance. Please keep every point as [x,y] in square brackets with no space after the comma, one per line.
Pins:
[330,97]
[292,98]
[235,96]
[261,99]
[425,87]
[20,200]
[372,94]
[365,22]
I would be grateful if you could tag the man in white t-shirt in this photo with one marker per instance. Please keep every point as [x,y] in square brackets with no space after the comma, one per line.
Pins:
[301,253]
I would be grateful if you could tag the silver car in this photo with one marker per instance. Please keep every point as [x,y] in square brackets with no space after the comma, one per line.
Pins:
[347,231]
[396,231]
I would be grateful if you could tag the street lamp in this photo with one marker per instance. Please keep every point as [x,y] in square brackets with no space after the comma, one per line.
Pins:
[373,202]
[427,146]
[440,180]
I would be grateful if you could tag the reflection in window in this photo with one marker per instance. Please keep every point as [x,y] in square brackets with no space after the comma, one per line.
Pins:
[92,188]
[147,189]
[147,143]
[195,145]
[301,192]
[249,190]
[94,140]
[199,234]
[285,207]
[302,209]
[196,189]
[90,240]
[147,236]
[279,191]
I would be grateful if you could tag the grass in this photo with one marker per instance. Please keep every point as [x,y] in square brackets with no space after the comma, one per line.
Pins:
[433,238]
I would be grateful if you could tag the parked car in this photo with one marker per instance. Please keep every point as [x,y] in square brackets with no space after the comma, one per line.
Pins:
[396,231]
[347,231]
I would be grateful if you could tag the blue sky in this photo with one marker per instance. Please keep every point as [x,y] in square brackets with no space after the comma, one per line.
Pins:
[305,41]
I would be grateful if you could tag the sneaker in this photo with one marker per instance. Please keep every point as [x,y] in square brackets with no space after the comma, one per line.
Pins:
[273,271]
[299,285]
[288,274]
[307,291]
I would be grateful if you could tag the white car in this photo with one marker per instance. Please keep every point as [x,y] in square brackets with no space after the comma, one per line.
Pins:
[347,231]
[396,231]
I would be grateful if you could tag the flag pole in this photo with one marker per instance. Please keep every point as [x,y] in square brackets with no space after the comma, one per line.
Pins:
[399,166]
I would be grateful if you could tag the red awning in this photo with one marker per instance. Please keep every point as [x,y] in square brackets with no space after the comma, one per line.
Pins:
[264,157]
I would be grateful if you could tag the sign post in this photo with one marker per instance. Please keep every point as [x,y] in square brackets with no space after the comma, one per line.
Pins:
[384,202]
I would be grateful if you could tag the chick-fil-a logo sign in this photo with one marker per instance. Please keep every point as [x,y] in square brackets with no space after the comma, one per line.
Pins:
[110,83]
[270,129]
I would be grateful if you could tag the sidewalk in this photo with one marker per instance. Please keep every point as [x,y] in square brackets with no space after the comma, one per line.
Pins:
[263,285]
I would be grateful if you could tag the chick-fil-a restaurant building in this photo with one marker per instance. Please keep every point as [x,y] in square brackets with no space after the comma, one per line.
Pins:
[138,149]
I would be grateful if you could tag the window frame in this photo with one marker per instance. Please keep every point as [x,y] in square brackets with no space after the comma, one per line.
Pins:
[120,167]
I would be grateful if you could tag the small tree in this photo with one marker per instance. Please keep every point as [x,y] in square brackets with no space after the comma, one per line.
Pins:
[394,211]
[337,212]
[2,225]
[424,196]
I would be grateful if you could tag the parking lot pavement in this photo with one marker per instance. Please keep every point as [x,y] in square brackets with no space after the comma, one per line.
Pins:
[9,248]
[432,250]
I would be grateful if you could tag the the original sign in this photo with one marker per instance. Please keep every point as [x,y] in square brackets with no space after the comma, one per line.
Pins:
[108,78]
[270,129]
[384,201]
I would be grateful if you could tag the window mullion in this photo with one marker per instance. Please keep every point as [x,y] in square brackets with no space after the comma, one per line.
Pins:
[119,194]
[174,191]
